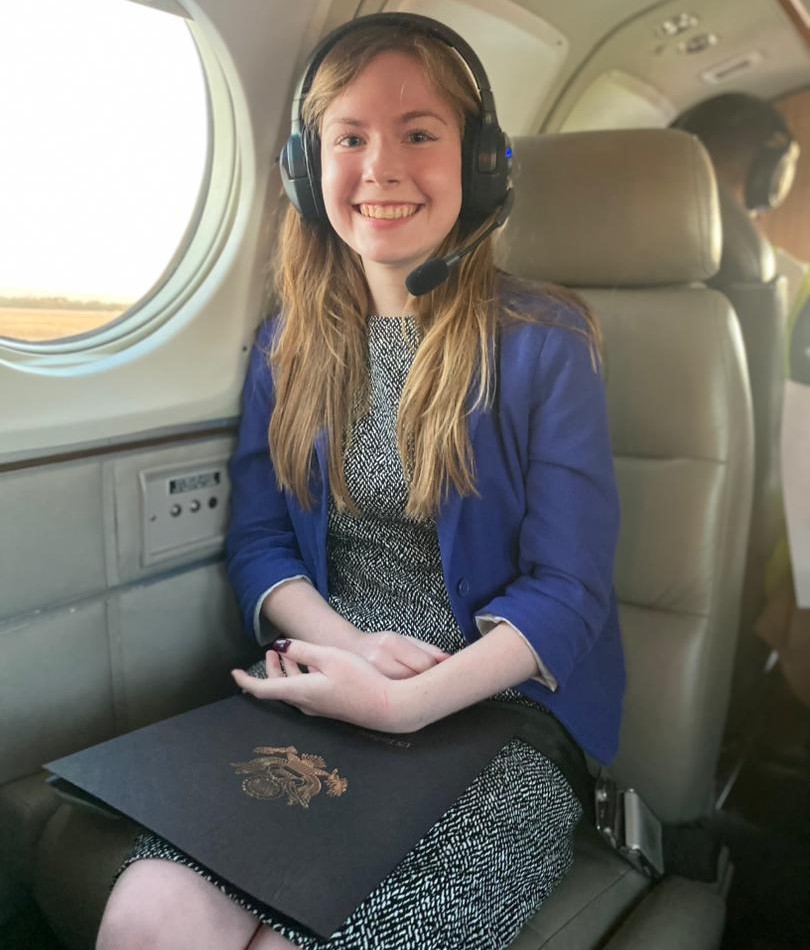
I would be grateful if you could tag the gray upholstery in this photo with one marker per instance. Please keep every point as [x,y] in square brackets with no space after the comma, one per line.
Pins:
[631,219]
[629,209]
[682,440]
[748,278]
[700,913]
[747,255]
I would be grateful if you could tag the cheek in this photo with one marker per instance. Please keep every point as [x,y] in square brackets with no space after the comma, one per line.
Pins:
[446,182]
[335,186]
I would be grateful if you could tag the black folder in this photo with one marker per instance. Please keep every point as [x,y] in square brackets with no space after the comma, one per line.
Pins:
[307,815]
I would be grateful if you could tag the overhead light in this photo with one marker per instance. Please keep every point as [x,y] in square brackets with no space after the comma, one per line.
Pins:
[698,43]
[675,25]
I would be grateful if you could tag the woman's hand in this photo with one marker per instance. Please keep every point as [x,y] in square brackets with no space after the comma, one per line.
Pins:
[396,656]
[340,684]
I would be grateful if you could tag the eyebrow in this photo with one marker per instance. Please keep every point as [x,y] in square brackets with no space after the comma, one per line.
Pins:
[402,119]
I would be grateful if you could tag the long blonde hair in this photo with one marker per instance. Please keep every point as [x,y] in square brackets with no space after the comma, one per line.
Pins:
[318,357]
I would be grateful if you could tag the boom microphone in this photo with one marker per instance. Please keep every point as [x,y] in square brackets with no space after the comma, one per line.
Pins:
[435,271]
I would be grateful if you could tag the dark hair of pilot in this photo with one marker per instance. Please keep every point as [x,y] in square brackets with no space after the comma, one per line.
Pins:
[734,125]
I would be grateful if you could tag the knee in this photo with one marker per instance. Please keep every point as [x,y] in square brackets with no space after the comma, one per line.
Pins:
[143,909]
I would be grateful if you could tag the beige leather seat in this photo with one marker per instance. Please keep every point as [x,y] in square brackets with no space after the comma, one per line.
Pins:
[749,278]
[630,220]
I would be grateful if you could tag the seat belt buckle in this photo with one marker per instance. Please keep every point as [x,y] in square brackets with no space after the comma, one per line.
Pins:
[628,824]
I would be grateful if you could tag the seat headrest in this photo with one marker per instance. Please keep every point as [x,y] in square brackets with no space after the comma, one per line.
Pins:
[632,207]
[748,256]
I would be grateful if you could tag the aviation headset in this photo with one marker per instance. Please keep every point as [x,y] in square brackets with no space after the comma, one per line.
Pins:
[485,152]
[772,168]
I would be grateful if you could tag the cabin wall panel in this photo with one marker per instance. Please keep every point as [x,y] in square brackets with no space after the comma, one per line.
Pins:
[92,643]
[52,547]
[178,639]
[122,475]
[55,688]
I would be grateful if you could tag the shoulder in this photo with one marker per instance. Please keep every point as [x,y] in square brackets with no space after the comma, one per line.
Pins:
[258,385]
[539,323]
[267,331]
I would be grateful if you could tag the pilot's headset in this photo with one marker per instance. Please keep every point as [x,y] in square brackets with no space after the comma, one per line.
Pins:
[772,168]
[486,155]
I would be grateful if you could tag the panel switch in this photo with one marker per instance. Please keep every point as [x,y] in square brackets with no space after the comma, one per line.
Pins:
[184,510]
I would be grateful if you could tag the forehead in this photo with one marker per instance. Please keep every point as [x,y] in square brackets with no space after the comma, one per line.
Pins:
[392,83]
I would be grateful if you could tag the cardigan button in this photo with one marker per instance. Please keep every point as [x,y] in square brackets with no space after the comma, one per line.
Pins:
[463,587]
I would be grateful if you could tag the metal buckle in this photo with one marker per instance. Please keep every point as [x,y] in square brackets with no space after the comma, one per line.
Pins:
[626,822]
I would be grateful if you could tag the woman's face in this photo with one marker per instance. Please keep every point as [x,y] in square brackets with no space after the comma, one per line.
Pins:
[391,164]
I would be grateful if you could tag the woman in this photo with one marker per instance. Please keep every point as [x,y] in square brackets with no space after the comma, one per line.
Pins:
[435,521]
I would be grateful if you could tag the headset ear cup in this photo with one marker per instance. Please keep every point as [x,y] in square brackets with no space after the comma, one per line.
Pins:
[485,171]
[295,177]
[470,210]
[312,155]
[770,177]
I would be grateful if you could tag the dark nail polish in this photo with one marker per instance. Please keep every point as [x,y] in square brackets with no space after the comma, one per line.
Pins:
[280,646]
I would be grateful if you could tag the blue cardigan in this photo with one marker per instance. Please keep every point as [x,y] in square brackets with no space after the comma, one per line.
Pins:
[535,547]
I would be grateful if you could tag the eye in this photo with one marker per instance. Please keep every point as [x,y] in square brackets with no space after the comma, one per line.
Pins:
[350,140]
[420,136]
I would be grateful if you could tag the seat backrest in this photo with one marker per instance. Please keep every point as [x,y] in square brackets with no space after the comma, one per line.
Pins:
[748,277]
[630,220]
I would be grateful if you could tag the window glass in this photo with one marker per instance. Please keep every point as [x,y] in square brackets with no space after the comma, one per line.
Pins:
[104,115]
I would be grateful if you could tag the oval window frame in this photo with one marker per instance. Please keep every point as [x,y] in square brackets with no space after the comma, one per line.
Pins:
[201,245]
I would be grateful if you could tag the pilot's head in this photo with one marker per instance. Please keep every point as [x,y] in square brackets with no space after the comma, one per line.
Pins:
[751,146]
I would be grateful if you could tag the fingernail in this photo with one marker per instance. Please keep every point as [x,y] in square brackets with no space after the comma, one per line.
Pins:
[280,646]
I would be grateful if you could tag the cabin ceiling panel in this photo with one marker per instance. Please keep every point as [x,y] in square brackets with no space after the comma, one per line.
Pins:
[758,30]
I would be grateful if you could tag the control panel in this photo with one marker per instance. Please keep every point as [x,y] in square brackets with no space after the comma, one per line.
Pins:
[185,510]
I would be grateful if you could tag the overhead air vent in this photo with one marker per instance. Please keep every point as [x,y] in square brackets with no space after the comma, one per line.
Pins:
[698,43]
[732,68]
[675,25]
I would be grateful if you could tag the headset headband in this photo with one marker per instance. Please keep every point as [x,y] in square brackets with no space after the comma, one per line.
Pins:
[408,20]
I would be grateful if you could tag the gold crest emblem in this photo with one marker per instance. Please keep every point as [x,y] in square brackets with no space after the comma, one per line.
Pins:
[287,772]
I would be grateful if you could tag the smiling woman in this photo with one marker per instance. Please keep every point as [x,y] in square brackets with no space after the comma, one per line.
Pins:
[434,522]
[391,179]
[109,152]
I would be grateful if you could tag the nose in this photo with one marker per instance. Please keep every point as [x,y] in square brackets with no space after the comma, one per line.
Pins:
[383,164]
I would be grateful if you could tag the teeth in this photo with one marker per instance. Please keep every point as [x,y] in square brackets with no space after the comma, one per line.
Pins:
[388,211]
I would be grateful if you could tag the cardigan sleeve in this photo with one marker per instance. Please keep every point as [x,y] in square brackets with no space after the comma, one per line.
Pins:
[261,548]
[561,598]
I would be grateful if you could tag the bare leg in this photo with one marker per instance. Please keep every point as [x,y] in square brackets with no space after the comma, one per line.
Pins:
[160,905]
[267,939]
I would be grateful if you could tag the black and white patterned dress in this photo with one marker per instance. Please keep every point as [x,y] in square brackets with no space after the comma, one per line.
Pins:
[483,869]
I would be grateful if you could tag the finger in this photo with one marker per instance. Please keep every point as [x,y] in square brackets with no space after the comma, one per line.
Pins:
[307,654]
[273,665]
[292,668]
[395,670]
[410,653]
[287,689]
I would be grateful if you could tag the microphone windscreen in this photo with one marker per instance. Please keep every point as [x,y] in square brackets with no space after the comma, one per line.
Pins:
[427,276]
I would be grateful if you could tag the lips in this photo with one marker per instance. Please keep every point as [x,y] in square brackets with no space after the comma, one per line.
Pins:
[388,212]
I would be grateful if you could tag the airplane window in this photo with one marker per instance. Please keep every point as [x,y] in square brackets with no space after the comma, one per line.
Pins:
[105,152]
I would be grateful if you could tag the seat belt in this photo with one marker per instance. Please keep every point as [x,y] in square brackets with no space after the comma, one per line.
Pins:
[630,826]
